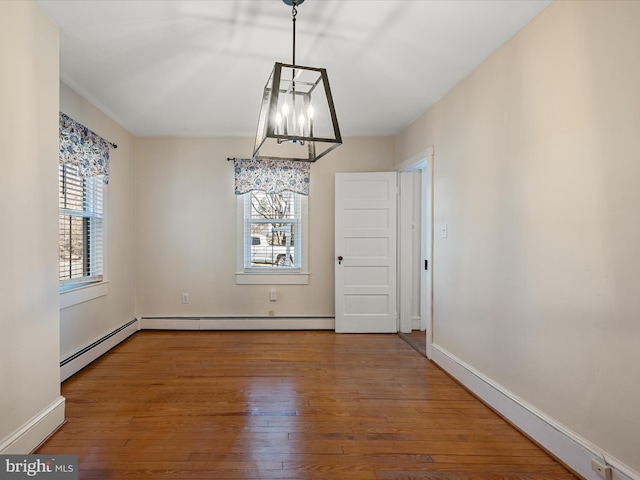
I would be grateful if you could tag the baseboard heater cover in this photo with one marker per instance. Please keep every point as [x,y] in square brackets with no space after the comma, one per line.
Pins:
[77,361]
[237,323]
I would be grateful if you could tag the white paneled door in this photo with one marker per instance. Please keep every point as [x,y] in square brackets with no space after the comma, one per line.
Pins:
[365,249]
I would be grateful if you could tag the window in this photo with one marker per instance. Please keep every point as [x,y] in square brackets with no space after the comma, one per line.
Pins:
[272,199]
[272,231]
[81,227]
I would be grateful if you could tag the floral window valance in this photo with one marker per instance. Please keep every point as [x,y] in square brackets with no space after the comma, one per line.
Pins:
[83,148]
[271,176]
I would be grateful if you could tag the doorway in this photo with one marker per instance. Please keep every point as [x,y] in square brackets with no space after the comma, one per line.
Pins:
[415,237]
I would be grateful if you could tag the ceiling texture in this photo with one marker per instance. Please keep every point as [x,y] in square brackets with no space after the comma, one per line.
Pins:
[198,68]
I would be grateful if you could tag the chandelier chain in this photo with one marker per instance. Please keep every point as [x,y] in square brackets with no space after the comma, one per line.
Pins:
[294,12]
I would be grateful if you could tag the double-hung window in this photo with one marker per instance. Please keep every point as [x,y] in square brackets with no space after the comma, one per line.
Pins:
[81,226]
[272,231]
[272,221]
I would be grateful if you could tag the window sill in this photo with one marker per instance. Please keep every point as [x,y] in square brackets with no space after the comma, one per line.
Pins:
[76,295]
[272,278]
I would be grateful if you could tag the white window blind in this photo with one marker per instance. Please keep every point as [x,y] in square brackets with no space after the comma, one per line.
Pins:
[272,231]
[81,228]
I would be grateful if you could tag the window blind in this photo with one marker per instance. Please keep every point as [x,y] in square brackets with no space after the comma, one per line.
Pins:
[80,223]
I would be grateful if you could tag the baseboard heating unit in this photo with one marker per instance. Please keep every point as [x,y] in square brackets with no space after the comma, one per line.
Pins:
[88,354]
[237,323]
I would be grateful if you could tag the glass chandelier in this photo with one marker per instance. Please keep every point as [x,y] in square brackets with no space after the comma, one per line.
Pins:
[297,117]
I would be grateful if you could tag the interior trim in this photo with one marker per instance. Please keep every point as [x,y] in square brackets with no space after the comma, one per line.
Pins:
[33,432]
[571,449]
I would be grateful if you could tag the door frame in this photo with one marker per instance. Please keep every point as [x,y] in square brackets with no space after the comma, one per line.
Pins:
[422,161]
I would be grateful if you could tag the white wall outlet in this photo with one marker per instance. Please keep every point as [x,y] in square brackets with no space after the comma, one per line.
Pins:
[601,468]
[272,295]
[185,298]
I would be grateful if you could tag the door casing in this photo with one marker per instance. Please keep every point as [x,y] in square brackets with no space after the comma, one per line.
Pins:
[422,161]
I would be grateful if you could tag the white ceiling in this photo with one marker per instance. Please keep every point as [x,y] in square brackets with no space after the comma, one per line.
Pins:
[175,67]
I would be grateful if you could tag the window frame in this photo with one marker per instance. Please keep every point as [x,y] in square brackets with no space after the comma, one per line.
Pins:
[271,275]
[81,289]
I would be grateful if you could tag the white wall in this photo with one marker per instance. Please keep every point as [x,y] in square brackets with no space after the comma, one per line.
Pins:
[29,343]
[536,175]
[82,324]
[186,228]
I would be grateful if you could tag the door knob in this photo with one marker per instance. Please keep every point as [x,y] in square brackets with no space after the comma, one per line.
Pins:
[340,260]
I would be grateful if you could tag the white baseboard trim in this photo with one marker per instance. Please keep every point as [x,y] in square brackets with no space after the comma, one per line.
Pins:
[35,431]
[76,362]
[570,448]
[237,323]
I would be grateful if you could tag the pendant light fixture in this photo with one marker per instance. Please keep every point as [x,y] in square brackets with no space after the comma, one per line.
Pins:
[297,118]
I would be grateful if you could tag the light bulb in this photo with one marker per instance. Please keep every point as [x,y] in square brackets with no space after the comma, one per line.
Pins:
[285,109]
[278,123]
[310,111]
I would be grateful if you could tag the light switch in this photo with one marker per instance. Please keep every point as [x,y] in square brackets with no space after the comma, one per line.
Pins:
[444,231]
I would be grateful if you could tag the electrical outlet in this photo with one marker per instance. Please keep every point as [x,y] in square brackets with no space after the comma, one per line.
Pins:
[185,298]
[601,468]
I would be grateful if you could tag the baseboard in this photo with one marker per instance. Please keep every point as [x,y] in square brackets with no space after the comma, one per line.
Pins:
[76,362]
[31,434]
[237,323]
[568,447]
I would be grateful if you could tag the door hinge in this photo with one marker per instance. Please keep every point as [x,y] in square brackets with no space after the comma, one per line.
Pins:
[426,264]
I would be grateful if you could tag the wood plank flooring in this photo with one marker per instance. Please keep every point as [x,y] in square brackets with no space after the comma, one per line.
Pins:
[283,405]
[417,339]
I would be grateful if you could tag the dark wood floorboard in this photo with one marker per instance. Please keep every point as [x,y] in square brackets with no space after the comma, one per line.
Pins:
[283,405]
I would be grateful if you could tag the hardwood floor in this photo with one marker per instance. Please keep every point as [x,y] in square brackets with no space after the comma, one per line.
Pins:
[283,405]
[417,339]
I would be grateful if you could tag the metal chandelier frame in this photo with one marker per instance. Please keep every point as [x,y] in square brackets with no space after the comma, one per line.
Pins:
[297,117]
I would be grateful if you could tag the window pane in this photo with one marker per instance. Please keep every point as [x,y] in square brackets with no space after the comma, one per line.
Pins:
[272,244]
[73,246]
[279,205]
[71,188]
[271,228]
